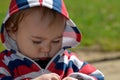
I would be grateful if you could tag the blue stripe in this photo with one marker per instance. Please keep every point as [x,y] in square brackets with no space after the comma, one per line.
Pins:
[100,77]
[17,63]
[56,59]
[57,5]
[75,29]
[2,28]
[61,66]
[66,47]
[5,51]
[73,66]
[22,4]
[58,65]
[85,63]
[13,51]
[7,78]
[69,52]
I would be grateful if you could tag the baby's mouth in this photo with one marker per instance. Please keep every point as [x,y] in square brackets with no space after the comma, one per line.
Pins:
[45,58]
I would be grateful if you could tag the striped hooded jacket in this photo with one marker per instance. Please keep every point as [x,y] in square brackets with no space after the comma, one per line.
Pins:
[16,66]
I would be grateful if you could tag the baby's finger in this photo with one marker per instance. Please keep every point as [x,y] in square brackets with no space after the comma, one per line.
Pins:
[55,76]
[69,78]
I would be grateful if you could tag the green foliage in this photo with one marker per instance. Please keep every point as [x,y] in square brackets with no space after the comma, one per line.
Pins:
[98,20]
[3,11]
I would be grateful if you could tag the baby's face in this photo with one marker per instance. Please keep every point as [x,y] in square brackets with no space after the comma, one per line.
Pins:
[40,38]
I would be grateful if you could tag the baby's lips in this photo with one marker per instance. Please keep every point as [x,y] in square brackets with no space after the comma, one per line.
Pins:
[44,58]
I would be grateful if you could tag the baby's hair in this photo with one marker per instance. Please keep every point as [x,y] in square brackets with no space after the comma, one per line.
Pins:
[14,21]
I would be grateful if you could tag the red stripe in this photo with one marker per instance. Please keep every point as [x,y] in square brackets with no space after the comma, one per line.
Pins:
[40,2]
[53,69]
[9,53]
[13,7]
[52,65]
[69,34]
[87,69]
[26,79]
[64,10]
[69,71]
[79,37]
[59,72]
[2,65]
[2,38]
[23,69]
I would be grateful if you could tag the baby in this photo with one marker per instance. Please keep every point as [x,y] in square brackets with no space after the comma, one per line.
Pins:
[37,34]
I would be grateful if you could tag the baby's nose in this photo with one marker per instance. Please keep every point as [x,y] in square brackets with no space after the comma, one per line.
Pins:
[46,48]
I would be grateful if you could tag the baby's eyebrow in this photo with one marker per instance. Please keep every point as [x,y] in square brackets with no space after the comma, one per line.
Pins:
[37,37]
[58,37]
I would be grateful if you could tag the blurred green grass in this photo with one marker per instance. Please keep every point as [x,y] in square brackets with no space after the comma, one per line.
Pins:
[3,11]
[98,20]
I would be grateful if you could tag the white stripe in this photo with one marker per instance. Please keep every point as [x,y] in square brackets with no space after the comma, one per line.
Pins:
[71,23]
[4,71]
[69,29]
[97,73]
[64,59]
[33,3]
[68,41]
[6,18]
[76,61]
[48,3]
[12,57]
[81,75]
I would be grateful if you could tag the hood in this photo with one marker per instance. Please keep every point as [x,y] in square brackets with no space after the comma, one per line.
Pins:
[71,36]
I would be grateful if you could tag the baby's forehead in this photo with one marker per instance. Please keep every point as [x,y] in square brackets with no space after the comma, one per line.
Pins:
[43,19]
[45,13]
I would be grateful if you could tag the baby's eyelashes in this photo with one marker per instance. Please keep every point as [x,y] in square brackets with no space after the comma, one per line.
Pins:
[37,42]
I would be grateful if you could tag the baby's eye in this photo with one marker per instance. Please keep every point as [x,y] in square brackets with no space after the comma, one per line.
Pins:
[56,41]
[37,42]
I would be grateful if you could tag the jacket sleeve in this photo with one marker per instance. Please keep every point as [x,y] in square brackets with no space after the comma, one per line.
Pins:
[85,71]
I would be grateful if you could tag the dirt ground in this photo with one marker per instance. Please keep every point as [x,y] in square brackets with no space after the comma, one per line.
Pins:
[107,62]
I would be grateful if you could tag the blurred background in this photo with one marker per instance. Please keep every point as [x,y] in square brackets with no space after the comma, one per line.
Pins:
[99,23]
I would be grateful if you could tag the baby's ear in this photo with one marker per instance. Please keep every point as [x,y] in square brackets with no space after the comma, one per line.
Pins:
[10,30]
[12,35]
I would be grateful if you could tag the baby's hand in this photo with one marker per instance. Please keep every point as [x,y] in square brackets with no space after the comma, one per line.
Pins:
[50,76]
[69,78]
